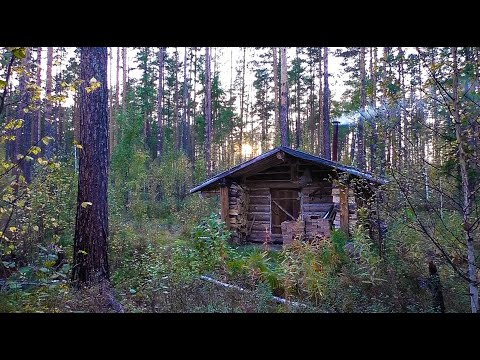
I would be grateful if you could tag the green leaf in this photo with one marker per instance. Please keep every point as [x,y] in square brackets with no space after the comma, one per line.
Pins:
[19,53]
[410,214]
[46,139]
[23,270]
[3,84]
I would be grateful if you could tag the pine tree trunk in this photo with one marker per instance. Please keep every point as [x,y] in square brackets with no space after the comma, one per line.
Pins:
[467,206]
[276,103]
[194,131]
[311,116]
[124,82]
[110,103]
[320,104]
[37,123]
[361,120]
[326,108]
[176,130]
[284,98]
[436,120]
[208,113]
[402,150]
[48,105]
[91,223]
[373,124]
[185,140]
[117,83]
[23,134]
[297,124]
[160,102]
[242,104]
[58,145]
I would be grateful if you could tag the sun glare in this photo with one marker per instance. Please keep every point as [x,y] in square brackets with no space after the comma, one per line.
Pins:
[247,150]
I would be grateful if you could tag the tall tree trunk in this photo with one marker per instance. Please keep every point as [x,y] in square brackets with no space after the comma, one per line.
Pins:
[110,103]
[48,105]
[117,82]
[402,143]
[185,140]
[363,103]
[176,130]
[90,261]
[467,206]
[275,94]
[23,134]
[37,123]
[124,82]
[297,124]
[320,104]
[284,98]
[373,124]
[312,104]
[194,132]
[242,104]
[58,115]
[208,113]
[160,102]
[326,108]
[436,120]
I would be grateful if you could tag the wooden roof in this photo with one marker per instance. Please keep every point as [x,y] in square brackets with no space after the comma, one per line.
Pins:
[269,159]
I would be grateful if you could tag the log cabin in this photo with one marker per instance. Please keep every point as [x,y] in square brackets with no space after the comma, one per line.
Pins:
[285,193]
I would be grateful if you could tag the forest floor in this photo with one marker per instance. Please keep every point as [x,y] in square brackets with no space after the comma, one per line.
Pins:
[158,268]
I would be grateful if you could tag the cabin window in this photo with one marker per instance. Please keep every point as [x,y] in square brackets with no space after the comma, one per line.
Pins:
[285,205]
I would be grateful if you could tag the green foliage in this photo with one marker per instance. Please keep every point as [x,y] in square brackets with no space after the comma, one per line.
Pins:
[309,267]
[209,240]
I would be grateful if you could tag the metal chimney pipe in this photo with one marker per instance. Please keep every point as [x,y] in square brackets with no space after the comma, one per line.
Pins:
[335,140]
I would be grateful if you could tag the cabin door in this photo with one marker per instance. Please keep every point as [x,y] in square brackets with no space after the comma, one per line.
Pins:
[285,205]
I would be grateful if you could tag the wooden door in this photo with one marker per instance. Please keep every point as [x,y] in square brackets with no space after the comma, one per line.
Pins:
[285,207]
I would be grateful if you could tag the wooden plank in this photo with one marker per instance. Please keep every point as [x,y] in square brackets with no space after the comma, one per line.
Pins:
[318,200]
[258,216]
[283,209]
[259,200]
[259,192]
[259,208]
[251,225]
[265,227]
[344,209]
[316,207]
[282,184]
[224,205]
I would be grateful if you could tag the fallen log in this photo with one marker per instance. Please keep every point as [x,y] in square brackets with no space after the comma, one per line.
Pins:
[230,286]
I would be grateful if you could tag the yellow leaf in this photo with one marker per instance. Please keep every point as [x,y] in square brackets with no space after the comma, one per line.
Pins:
[78,146]
[12,228]
[85,204]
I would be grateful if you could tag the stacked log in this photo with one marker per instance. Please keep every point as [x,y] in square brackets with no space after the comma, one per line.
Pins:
[292,230]
[317,227]
[238,209]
